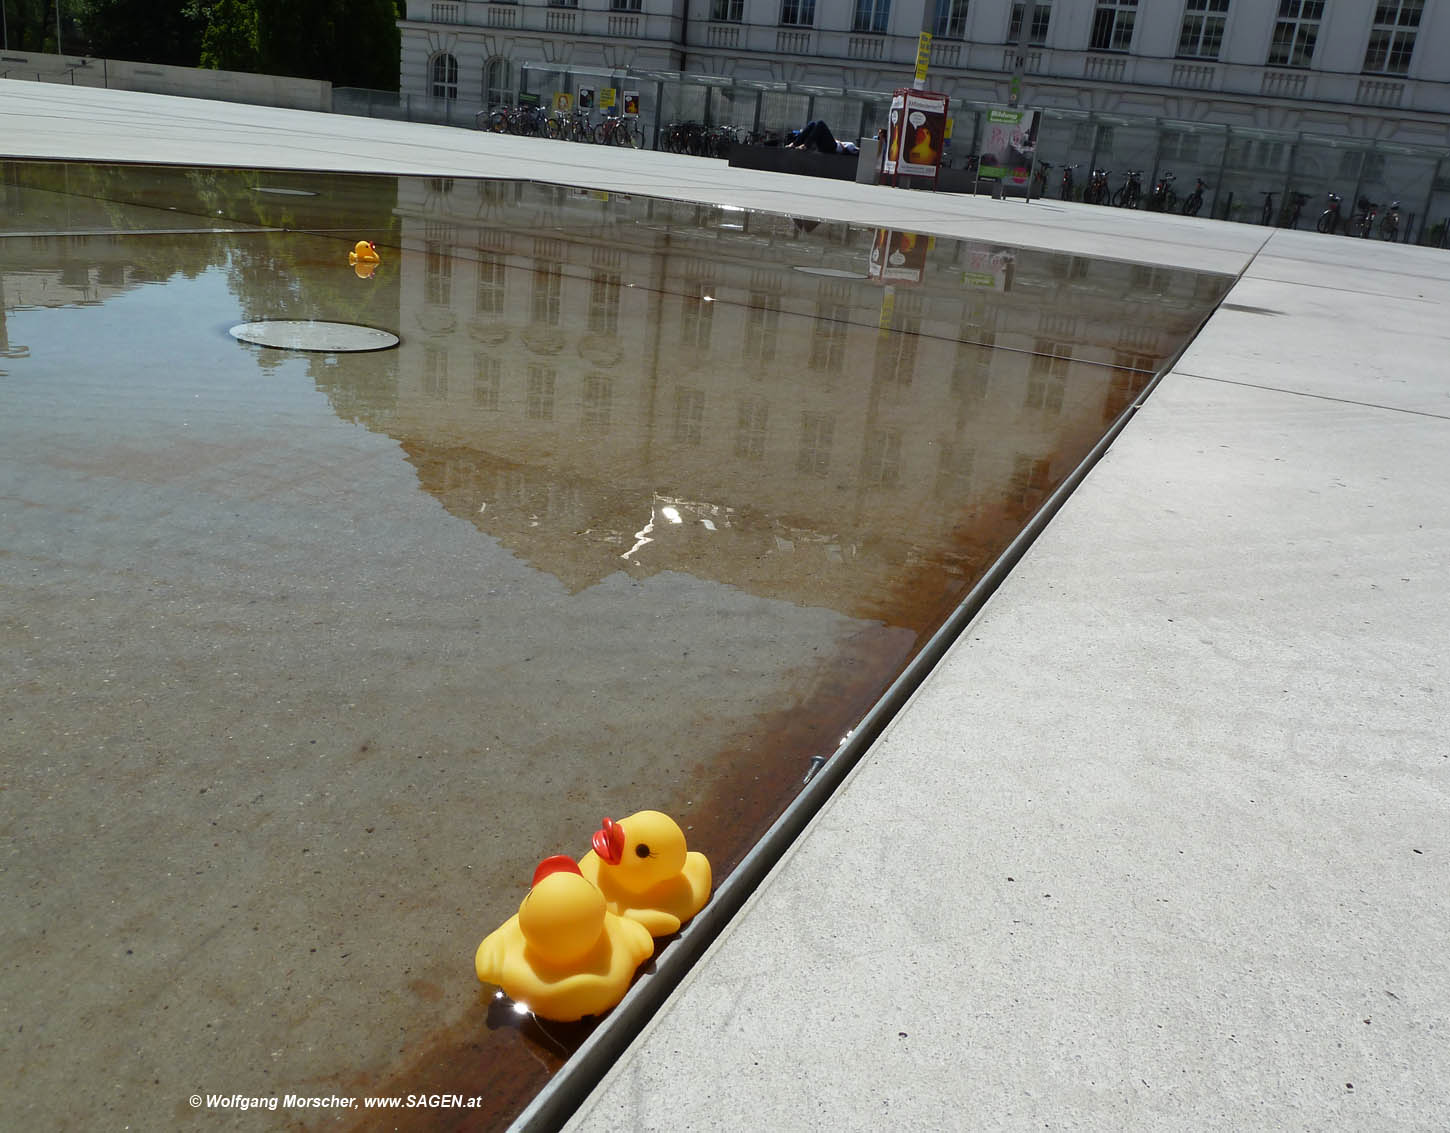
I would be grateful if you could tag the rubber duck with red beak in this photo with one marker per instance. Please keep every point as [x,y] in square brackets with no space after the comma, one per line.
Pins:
[563,955]
[645,872]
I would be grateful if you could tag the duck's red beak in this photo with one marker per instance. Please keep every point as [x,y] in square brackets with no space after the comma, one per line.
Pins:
[609,842]
[559,863]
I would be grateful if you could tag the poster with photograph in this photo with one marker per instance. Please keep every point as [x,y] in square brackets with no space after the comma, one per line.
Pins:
[917,133]
[631,102]
[585,98]
[1009,146]
[898,257]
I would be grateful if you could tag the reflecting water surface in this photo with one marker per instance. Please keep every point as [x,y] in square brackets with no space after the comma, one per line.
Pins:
[312,656]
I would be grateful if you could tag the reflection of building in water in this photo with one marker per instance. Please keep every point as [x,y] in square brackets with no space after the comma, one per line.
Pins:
[601,382]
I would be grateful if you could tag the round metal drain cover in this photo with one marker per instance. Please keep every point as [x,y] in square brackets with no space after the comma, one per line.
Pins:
[298,334]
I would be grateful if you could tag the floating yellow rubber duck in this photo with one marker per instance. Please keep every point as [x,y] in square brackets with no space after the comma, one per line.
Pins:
[563,955]
[364,252]
[645,873]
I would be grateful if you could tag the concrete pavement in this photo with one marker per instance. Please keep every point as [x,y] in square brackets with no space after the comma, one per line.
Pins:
[1163,841]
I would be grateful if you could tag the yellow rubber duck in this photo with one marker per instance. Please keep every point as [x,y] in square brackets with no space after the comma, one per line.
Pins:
[645,873]
[364,252]
[563,955]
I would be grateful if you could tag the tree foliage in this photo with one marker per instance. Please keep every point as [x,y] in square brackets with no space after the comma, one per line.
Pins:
[352,43]
[147,31]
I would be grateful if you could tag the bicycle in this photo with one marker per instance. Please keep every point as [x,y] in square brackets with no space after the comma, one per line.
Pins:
[1329,219]
[618,131]
[1066,190]
[1039,179]
[1163,198]
[1390,225]
[1130,195]
[1293,206]
[1361,224]
[1096,192]
[1194,202]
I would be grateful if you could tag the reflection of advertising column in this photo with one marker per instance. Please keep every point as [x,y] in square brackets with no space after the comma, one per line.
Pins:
[1009,146]
[988,268]
[897,257]
[917,134]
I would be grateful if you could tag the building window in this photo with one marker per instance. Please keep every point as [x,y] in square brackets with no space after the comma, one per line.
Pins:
[1047,376]
[1295,32]
[750,429]
[598,393]
[443,71]
[437,275]
[871,15]
[1113,25]
[727,11]
[1041,17]
[625,5]
[801,13]
[697,311]
[689,416]
[487,377]
[762,324]
[896,350]
[883,458]
[1392,38]
[435,372]
[828,337]
[814,457]
[539,400]
[498,83]
[951,19]
[490,284]
[548,284]
[1202,33]
[604,290]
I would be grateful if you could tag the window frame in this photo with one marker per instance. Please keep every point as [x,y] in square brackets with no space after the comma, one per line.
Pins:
[1041,15]
[446,85]
[1211,17]
[1392,33]
[798,13]
[1114,22]
[950,20]
[872,17]
[1295,34]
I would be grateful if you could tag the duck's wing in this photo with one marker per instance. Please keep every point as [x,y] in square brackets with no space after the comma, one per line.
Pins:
[492,955]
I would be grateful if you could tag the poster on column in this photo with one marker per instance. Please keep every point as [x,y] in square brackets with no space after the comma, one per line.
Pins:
[1009,145]
[585,98]
[918,133]
[897,257]
[631,102]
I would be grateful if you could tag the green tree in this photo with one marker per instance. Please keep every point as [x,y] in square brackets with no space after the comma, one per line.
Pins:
[229,42]
[147,31]
[351,43]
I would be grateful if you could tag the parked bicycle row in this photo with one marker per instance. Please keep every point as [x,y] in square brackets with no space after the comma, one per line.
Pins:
[1368,218]
[572,126]
[704,141]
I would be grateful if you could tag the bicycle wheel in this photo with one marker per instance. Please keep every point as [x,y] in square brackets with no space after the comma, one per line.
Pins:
[635,139]
[1192,205]
[1328,222]
[1389,228]
[498,122]
[1120,197]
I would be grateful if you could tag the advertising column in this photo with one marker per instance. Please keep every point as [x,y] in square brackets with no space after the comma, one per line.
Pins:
[916,134]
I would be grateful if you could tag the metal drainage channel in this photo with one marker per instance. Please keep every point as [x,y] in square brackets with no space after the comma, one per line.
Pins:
[577,1078]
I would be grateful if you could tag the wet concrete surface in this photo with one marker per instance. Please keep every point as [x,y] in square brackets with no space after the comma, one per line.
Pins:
[312,657]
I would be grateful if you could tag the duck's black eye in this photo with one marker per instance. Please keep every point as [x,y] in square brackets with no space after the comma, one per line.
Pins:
[642,849]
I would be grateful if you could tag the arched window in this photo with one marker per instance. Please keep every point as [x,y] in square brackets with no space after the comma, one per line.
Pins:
[498,83]
[443,72]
